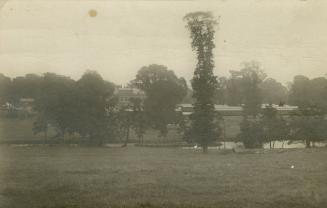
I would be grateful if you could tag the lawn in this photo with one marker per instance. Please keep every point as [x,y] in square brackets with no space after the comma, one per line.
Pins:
[16,130]
[13,130]
[49,177]
[21,131]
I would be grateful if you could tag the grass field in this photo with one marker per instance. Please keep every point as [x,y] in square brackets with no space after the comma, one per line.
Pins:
[49,177]
[21,131]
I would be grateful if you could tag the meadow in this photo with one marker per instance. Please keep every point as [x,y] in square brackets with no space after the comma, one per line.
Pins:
[85,177]
[20,130]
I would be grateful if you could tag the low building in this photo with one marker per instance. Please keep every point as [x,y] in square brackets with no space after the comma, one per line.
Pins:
[226,110]
[126,94]
[232,116]
[27,105]
[24,107]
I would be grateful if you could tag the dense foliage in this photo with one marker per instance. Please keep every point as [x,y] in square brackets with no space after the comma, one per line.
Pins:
[275,127]
[163,90]
[309,124]
[204,83]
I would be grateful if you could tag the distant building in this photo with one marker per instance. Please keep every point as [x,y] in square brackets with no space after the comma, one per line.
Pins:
[26,104]
[126,94]
[226,110]
[24,107]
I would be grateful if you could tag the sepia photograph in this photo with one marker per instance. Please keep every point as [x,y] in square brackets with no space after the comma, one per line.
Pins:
[163,104]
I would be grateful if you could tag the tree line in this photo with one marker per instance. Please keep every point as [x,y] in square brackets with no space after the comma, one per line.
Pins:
[90,108]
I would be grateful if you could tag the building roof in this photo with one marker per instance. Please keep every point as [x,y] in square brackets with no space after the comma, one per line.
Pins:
[129,92]
[187,109]
[26,100]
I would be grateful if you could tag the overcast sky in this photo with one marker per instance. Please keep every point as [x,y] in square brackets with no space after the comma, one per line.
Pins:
[288,37]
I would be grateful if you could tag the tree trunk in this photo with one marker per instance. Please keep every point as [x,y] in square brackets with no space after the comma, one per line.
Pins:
[63,136]
[91,139]
[205,148]
[45,136]
[270,144]
[307,143]
[100,143]
[127,138]
[224,133]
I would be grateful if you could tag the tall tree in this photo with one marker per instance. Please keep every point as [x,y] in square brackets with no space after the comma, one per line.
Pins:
[305,92]
[300,91]
[243,88]
[124,123]
[318,92]
[56,104]
[93,94]
[5,84]
[273,92]
[274,126]
[27,86]
[131,117]
[163,90]
[202,30]
[309,124]
[188,99]
[233,89]
[221,92]
[139,118]
[251,77]
[252,133]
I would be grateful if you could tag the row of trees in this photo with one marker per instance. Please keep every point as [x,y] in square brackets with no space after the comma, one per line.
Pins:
[73,106]
[232,91]
[308,123]
[89,107]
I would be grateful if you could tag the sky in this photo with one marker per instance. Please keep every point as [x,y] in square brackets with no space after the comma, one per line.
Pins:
[116,38]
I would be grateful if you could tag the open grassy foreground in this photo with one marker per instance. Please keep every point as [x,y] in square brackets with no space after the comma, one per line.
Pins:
[48,177]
